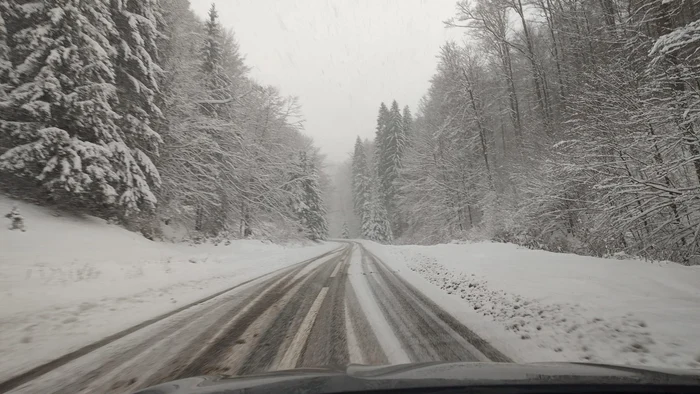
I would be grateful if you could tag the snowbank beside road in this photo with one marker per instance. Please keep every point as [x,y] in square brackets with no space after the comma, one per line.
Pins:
[70,281]
[542,306]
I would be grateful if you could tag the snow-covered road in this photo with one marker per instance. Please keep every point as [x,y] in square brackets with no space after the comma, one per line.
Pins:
[343,307]
[69,282]
[372,304]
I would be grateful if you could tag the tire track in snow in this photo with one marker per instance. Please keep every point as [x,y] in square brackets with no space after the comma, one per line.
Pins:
[43,369]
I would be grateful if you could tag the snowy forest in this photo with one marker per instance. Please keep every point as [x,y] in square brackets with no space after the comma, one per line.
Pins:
[565,125]
[141,113]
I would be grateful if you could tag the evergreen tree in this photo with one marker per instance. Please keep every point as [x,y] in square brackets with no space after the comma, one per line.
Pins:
[137,74]
[400,216]
[346,232]
[377,227]
[361,180]
[392,143]
[295,191]
[61,116]
[312,210]
[6,69]
[359,175]
[214,106]
[81,93]
[215,78]
[380,135]
[316,213]
[185,160]
[305,198]
[406,124]
[211,51]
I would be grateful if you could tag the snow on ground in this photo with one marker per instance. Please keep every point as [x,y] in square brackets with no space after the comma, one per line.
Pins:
[68,281]
[543,306]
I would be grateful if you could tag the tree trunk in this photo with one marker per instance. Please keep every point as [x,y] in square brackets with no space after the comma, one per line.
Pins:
[512,97]
[549,14]
[537,78]
[198,217]
[480,126]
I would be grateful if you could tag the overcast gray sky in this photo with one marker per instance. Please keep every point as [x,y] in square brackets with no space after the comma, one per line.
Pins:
[340,57]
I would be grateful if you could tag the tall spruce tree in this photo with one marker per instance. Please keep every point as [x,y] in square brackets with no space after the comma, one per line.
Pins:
[359,172]
[137,75]
[214,106]
[380,132]
[295,192]
[376,226]
[315,212]
[211,51]
[305,198]
[215,78]
[406,124]
[6,69]
[361,180]
[62,116]
[392,144]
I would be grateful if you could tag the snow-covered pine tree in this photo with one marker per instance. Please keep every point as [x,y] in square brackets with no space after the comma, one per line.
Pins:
[392,146]
[6,69]
[185,162]
[382,119]
[305,200]
[60,118]
[361,182]
[295,193]
[377,227]
[400,216]
[314,212]
[346,232]
[216,105]
[406,124]
[359,176]
[137,75]
[211,51]
[6,74]
[215,78]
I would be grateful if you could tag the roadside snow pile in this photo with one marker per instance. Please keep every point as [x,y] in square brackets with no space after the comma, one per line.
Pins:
[569,307]
[587,337]
[68,281]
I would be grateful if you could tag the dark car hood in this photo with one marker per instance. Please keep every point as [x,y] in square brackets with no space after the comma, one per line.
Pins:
[405,376]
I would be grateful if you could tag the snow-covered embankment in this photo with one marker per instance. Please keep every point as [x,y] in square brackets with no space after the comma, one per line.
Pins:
[542,306]
[68,281]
